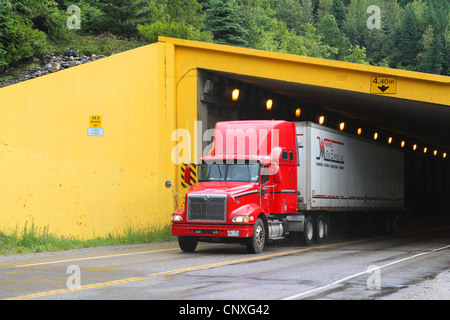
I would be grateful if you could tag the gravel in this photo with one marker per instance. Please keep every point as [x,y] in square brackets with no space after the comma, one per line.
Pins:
[434,289]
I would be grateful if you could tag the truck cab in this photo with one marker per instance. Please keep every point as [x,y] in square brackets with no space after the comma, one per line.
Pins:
[246,187]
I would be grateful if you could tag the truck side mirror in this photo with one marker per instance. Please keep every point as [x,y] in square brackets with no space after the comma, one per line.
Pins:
[276,172]
[187,175]
[277,178]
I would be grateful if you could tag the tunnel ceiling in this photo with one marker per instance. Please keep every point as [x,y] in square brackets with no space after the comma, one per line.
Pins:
[425,122]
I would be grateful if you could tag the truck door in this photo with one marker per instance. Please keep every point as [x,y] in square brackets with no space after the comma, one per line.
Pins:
[267,189]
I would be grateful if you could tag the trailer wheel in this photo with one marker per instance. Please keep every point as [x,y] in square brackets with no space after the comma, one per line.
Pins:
[308,233]
[394,223]
[321,229]
[187,244]
[255,244]
[390,224]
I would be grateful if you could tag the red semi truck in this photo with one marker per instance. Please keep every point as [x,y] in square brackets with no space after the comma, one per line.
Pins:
[265,180]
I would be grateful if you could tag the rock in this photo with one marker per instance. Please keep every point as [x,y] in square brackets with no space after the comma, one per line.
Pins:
[70,53]
[52,63]
[74,63]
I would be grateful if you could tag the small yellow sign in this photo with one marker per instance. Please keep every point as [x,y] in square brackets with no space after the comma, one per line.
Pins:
[383,85]
[95,121]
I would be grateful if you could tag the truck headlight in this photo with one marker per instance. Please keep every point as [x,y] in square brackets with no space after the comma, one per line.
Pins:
[177,217]
[242,219]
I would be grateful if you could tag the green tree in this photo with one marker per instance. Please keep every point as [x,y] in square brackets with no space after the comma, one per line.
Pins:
[45,15]
[255,16]
[446,49]
[294,13]
[18,37]
[430,59]
[356,54]
[329,29]
[226,23]
[324,8]
[378,42]
[339,12]
[187,11]
[355,23]
[177,19]
[119,17]
[403,3]
[333,37]
[278,38]
[407,39]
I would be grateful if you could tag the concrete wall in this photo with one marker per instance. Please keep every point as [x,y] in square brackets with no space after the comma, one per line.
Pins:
[54,175]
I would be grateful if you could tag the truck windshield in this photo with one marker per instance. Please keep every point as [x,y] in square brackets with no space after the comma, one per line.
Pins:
[229,172]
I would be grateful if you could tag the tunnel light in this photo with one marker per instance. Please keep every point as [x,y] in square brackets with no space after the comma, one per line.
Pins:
[342,126]
[444,155]
[298,112]
[402,144]
[435,153]
[359,131]
[375,136]
[415,147]
[321,120]
[269,104]
[390,140]
[425,150]
[235,95]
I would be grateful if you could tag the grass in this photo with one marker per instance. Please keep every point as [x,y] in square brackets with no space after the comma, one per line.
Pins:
[32,239]
[104,44]
[18,71]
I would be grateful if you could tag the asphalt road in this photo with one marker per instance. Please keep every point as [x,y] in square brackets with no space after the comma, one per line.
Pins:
[413,264]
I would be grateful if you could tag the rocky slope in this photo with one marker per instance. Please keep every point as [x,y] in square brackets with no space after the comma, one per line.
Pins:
[52,63]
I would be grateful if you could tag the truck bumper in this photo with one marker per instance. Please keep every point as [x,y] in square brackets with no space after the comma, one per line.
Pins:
[219,231]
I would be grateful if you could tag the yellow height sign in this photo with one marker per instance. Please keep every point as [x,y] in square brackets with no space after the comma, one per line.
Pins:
[383,85]
[95,121]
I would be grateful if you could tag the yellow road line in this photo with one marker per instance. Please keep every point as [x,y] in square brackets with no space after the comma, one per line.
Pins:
[183,270]
[87,258]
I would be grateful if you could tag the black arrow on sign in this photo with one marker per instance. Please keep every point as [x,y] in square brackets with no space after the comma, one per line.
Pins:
[383,88]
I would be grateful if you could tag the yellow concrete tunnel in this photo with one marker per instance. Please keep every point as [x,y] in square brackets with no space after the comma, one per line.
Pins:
[85,151]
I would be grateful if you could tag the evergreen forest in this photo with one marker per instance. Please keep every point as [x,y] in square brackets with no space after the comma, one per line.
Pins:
[404,34]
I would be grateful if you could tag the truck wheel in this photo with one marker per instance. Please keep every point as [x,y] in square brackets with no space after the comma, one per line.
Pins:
[390,224]
[394,223]
[321,229]
[308,232]
[255,244]
[187,244]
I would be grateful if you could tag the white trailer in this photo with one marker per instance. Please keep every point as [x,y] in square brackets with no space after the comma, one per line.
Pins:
[340,173]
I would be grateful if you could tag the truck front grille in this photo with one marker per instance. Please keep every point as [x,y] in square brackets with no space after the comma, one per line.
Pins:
[207,208]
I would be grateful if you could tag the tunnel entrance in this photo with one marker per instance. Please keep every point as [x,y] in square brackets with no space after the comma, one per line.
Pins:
[418,128]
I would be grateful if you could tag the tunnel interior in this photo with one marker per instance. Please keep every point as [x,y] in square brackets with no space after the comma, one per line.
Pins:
[420,129]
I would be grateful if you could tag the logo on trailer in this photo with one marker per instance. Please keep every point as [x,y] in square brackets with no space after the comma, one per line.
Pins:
[330,150]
